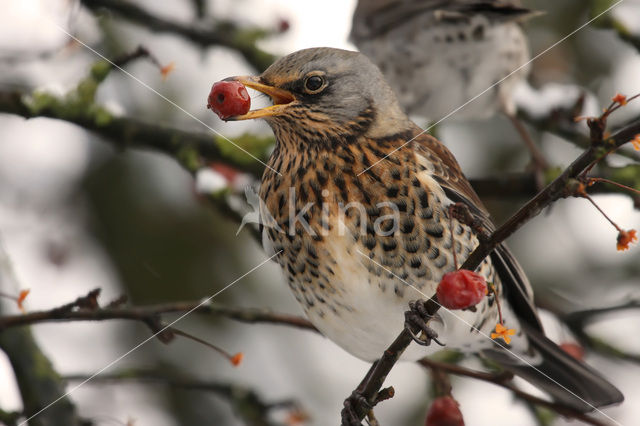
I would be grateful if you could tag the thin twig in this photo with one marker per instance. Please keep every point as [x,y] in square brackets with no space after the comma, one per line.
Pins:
[247,404]
[151,313]
[555,190]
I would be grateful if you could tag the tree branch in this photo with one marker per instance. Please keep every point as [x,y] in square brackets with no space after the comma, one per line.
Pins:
[246,403]
[189,148]
[523,184]
[503,379]
[147,314]
[555,190]
[226,34]
[562,186]
[192,149]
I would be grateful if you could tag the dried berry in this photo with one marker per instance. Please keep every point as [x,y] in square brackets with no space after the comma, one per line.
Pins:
[444,411]
[461,289]
[573,349]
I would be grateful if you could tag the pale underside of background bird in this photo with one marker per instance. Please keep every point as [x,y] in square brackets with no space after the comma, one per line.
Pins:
[343,138]
[439,54]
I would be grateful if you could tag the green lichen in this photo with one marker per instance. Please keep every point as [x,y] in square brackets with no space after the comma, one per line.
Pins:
[100,70]
[78,104]
[599,7]
[189,158]
[101,117]
[248,37]
[573,187]
[545,416]
[258,146]
[628,175]
[601,152]
[41,101]
[552,174]
[85,91]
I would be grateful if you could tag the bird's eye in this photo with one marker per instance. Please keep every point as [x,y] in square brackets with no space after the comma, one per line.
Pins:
[314,84]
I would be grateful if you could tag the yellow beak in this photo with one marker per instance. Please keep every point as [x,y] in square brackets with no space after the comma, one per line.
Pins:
[281,98]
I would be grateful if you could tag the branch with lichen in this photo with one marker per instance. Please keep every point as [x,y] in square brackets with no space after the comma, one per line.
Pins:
[86,308]
[191,149]
[219,33]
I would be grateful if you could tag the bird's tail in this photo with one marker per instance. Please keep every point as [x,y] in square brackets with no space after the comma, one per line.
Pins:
[564,378]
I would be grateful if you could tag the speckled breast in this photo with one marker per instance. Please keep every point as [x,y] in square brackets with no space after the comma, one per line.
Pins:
[357,247]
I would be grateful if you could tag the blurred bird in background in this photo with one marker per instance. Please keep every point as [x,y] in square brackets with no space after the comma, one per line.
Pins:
[438,55]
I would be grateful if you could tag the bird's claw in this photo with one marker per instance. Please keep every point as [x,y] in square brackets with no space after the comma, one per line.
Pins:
[352,405]
[418,317]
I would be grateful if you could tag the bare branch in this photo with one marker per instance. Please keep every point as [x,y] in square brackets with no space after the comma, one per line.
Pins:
[151,313]
[555,190]
[503,379]
[226,34]
[559,188]
[247,404]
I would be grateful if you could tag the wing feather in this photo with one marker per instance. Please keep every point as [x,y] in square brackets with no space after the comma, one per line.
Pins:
[443,168]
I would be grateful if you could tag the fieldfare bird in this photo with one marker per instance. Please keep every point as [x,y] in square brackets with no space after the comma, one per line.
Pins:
[438,55]
[360,196]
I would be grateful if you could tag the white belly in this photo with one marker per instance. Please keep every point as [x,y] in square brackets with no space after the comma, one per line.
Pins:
[376,317]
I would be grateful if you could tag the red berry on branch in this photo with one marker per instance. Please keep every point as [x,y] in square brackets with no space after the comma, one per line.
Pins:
[229,98]
[573,349]
[461,289]
[444,411]
[283,25]
[225,170]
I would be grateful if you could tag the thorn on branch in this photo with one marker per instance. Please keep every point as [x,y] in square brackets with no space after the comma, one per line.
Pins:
[384,394]
[88,302]
[118,302]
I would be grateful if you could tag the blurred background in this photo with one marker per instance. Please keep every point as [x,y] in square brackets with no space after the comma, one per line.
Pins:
[78,212]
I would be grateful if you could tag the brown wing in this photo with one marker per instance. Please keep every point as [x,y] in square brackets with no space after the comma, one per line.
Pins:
[443,168]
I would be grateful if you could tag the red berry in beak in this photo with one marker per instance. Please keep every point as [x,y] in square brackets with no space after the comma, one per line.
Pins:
[229,98]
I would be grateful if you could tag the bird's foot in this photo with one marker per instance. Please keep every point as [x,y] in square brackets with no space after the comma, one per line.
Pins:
[417,317]
[354,404]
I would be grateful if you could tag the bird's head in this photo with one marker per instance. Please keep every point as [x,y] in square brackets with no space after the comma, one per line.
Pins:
[322,92]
